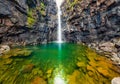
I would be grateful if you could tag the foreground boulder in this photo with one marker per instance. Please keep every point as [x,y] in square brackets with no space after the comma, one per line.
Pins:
[115,80]
[4,49]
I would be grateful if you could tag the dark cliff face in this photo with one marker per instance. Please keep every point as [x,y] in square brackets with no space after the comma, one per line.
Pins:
[27,21]
[91,20]
[35,21]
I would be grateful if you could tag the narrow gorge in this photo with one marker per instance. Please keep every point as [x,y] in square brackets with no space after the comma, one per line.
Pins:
[59,41]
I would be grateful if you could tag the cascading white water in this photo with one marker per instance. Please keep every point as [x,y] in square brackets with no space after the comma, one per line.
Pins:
[59,31]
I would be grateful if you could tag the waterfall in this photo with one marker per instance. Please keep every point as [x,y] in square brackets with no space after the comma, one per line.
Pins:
[59,30]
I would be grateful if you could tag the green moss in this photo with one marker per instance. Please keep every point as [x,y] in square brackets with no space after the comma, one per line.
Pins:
[30,20]
[42,5]
[71,4]
[17,53]
[32,14]
[41,9]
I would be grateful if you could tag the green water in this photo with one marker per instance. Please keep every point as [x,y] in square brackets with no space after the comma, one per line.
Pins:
[54,63]
[56,55]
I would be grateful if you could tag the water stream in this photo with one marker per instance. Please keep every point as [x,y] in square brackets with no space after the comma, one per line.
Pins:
[59,32]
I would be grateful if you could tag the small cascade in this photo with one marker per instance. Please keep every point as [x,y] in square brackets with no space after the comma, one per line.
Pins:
[59,31]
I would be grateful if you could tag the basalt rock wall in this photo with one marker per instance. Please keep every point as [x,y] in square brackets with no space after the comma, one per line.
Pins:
[25,22]
[92,20]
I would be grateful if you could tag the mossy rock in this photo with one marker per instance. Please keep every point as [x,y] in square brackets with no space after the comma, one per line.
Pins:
[37,71]
[28,68]
[17,53]
[38,80]
[81,64]
[7,61]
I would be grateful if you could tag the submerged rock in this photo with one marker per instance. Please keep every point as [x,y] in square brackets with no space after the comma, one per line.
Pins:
[28,68]
[7,61]
[17,53]
[38,80]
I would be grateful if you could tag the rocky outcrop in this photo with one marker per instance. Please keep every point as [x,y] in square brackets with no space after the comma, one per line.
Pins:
[27,22]
[115,80]
[93,22]
[4,49]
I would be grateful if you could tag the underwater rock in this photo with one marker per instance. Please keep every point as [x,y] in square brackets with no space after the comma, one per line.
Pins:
[73,79]
[103,71]
[7,61]
[81,64]
[37,71]
[115,80]
[28,68]
[49,73]
[21,53]
[38,80]
[17,53]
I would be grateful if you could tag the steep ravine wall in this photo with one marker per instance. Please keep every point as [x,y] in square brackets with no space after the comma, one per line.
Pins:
[93,22]
[25,22]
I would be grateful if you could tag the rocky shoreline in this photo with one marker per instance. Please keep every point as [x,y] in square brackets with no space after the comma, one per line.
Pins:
[94,23]
[109,49]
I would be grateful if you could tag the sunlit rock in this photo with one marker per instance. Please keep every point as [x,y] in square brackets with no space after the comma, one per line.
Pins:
[38,80]
[4,49]
[107,47]
[28,68]
[115,80]
[81,64]
[74,78]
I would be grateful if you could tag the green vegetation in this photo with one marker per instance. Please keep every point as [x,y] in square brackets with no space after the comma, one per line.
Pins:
[33,15]
[71,4]
[30,20]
